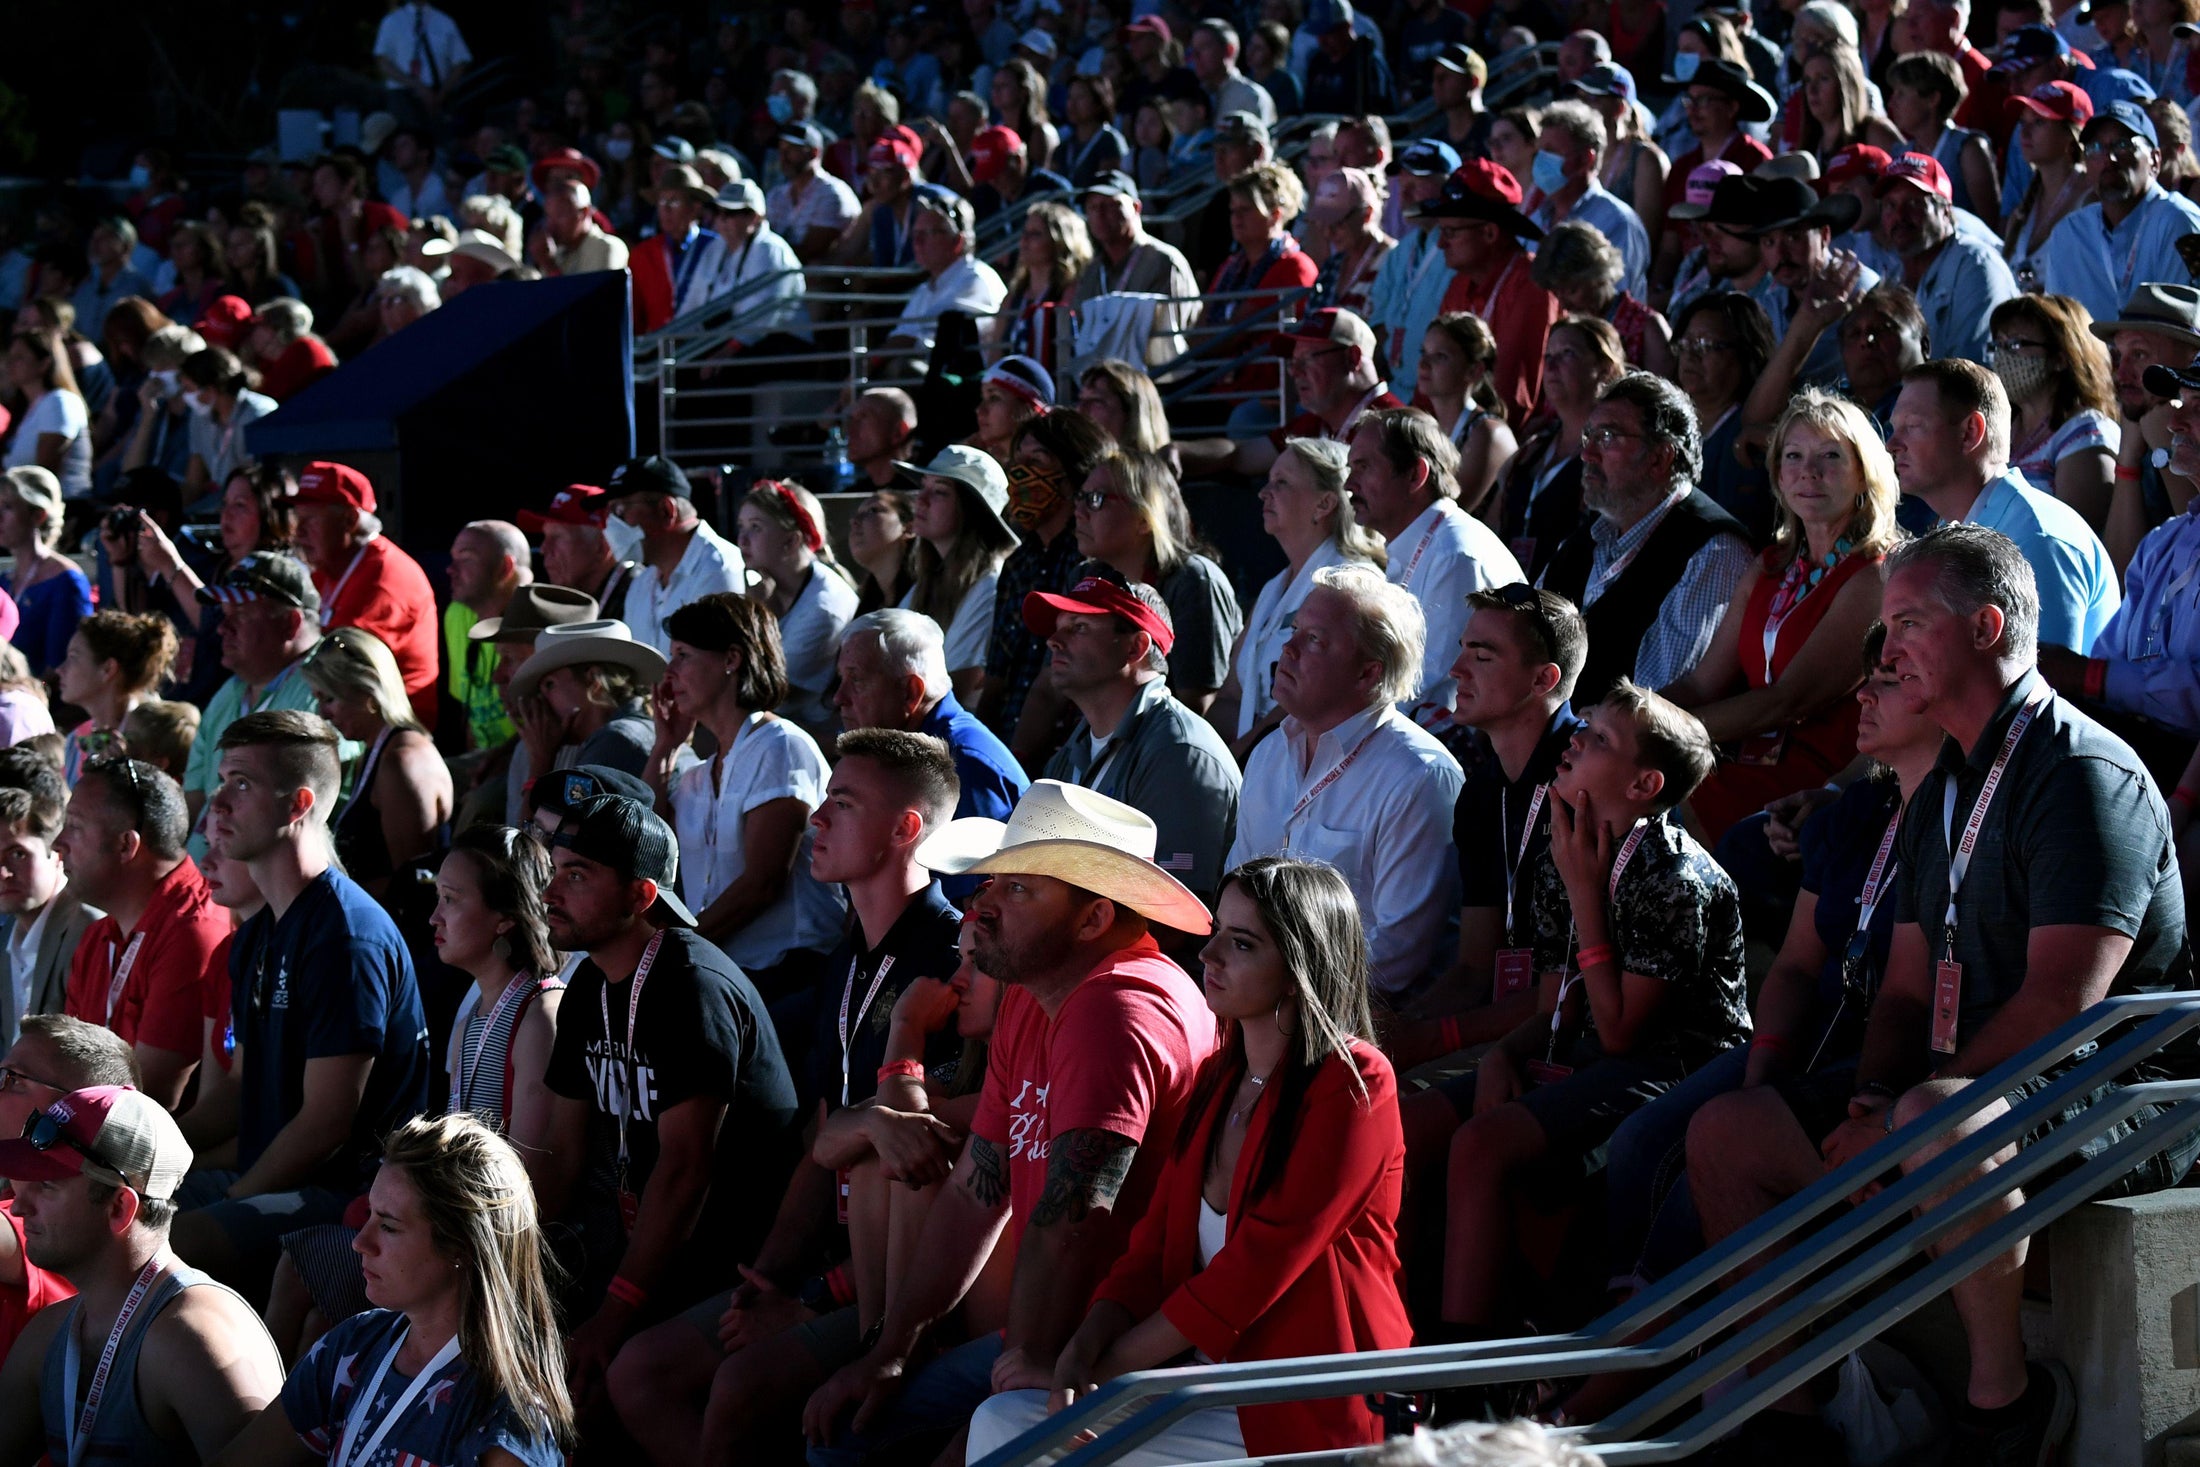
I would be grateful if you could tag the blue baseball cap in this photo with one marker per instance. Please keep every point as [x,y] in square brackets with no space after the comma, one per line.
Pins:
[1607,79]
[1426,158]
[2130,116]
[1329,15]
[2111,84]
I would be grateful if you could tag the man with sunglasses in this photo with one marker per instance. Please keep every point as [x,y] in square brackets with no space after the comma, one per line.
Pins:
[141,968]
[181,1367]
[2129,234]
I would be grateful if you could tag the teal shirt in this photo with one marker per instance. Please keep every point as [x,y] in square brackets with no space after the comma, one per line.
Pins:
[289,690]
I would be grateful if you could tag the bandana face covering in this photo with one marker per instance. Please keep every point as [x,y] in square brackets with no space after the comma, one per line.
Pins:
[2022,376]
[1034,494]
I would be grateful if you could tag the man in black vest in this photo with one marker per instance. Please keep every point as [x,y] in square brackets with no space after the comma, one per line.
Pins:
[1656,564]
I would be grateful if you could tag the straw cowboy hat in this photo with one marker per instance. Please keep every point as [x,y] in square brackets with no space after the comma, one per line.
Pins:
[1073,835]
[582,642]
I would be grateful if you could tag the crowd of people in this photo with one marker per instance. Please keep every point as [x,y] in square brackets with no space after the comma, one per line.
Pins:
[1721,672]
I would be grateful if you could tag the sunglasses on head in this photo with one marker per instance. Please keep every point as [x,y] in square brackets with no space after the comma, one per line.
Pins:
[45,1133]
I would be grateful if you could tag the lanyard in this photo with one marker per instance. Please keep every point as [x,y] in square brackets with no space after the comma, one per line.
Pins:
[79,1438]
[349,1450]
[1354,416]
[1489,307]
[328,602]
[365,781]
[1626,854]
[1867,902]
[1527,833]
[1428,537]
[847,992]
[1332,776]
[633,1009]
[688,254]
[1550,471]
[1795,586]
[516,990]
[1643,533]
[121,979]
[1959,856]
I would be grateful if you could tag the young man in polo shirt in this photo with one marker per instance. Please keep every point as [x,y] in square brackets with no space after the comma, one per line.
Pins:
[2071,893]
[141,969]
[889,791]
[331,1044]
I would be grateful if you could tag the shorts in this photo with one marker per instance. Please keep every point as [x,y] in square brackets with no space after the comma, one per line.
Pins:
[832,1340]
[2167,1168]
[1579,1113]
[329,1267]
[255,1226]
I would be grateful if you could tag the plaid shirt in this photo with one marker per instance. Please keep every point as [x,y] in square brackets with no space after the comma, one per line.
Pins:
[1014,656]
[1694,607]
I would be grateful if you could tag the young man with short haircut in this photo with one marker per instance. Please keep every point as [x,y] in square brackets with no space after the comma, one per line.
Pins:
[1638,948]
[890,789]
[690,1112]
[184,1366]
[331,1043]
[41,918]
[141,968]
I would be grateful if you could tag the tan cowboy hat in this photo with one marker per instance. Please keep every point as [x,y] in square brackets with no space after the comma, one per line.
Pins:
[1073,835]
[578,643]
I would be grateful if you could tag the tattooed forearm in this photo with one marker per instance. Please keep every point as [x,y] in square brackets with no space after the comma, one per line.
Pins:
[988,1175]
[1085,1171]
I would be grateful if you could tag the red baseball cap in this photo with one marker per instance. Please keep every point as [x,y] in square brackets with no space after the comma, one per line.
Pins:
[1860,161]
[1921,170]
[896,145]
[2059,101]
[1152,25]
[326,483]
[990,151]
[575,504]
[1099,596]
[225,321]
[566,160]
[112,1133]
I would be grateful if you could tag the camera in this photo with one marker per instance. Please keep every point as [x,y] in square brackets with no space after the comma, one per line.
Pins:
[122,523]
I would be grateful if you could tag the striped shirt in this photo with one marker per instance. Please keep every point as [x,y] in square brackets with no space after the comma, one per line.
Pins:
[480,1062]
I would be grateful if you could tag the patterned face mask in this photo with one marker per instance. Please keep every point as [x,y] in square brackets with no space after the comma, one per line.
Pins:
[2022,376]
[1035,494]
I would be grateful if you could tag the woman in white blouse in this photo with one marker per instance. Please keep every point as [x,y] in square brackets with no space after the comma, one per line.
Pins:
[1305,508]
[780,528]
[743,814]
[54,430]
[962,538]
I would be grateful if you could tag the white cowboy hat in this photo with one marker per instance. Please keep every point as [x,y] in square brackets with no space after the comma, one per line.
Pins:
[582,642]
[1073,835]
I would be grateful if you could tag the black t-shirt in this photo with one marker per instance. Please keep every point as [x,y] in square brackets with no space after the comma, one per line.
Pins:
[1838,846]
[920,944]
[1488,799]
[331,977]
[2077,835]
[700,1030]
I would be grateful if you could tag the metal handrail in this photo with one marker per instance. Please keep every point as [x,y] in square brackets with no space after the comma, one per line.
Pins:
[2160,1019]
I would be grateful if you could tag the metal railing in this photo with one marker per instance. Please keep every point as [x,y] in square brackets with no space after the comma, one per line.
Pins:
[1826,1267]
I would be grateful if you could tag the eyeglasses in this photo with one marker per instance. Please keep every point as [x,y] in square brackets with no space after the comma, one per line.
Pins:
[2126,146]
[45,1133]
[1697,346]
[1094,500]
[128,768]
[2016,346]
[1604,435]
[336,647]
[15,1082]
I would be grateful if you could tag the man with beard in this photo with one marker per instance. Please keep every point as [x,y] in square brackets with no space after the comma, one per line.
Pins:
[689,1109]
[2130,233]
[185,1366]
[1093,1052]
[1958,280]
[2159,326]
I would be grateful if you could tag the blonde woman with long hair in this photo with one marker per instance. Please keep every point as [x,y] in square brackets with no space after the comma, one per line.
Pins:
[401,794]
[462,1359]
[1051,254]
[1775,686]
[1837,110]
[1131,515]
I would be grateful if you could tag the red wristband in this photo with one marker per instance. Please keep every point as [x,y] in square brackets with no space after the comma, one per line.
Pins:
[626,1291]
[1591,957]
[2096,677]
[1774,1043]
[2186,793]
[1452,1033]
[839,1286]
[2128,473]
[913,1069]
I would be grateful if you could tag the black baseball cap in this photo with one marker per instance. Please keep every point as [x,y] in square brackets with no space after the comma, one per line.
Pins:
[803,135]
[653,474]
[562,790]
[1115,183]
[264,575]
[627,836]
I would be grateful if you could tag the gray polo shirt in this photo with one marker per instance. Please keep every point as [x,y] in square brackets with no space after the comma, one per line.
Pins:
[1168,762]
[2077,835]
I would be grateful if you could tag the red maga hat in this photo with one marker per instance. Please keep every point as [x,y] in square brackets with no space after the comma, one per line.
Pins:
[326,483]
[1097,596]
[575,504]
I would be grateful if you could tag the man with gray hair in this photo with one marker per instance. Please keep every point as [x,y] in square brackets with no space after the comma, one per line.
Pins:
[402,296]
[2069,893]
[943,236]
[572,244]
[1350,780]
[1108,644]
[490,559]
[893,674]
[1655,567]
[1569,159]
[1404,483]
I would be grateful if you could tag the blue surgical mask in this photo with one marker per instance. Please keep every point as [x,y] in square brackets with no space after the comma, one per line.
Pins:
[1549,171]
[141,177]
[1685,64]
[618,150]
[780,106]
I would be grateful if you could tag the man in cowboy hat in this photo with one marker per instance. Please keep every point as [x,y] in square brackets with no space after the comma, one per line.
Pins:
[1797,242]
[582,698]
[1481,231]
[676,269]
[1725,205]
[2159,326]
[1092,1054]
[475,257]
[577,551]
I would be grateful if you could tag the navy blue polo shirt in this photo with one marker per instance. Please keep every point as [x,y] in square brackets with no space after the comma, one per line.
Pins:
[920,944]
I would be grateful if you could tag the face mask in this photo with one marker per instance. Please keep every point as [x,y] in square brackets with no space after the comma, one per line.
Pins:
[618,150]
[141,177]
[200,407]
[1549,172]
[167,381]
[1685,64]
[1034,494]
[780,106]
[2023,376]
[626,541]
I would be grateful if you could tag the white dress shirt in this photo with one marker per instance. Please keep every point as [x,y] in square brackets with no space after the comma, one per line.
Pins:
[710,563]
[1444,556]
[1384,823]
[774,303]
[809,634]
[967,285]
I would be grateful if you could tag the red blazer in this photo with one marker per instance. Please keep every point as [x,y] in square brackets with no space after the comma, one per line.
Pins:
[1312,1269]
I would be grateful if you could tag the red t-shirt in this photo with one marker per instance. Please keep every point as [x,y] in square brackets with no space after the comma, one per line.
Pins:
[302,363]
[387,593]
[162,1002]
[1310,425]
[1120,1056]
[1520,315]
[38,1289]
